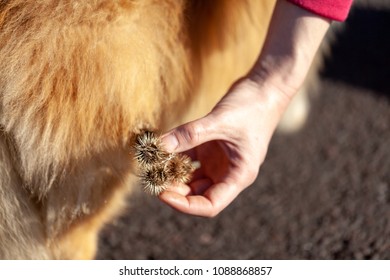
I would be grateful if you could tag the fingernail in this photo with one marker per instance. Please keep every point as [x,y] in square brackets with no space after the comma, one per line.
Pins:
[170,142]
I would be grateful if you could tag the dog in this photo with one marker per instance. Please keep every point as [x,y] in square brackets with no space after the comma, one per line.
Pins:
[78,80]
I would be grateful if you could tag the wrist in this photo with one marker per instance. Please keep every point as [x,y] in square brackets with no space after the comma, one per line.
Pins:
[282,74]
[293,38]
[268,99]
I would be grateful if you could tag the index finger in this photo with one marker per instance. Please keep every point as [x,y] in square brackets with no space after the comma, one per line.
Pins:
[209,204]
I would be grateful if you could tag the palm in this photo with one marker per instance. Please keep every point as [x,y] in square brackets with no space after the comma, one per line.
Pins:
[214,161]
[216,166]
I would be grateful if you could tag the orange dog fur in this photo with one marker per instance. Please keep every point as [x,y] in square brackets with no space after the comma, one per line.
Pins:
[78,79]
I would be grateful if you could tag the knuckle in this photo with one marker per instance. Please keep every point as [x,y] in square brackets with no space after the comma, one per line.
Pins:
[191,133]
[252,174]
[213,213]
[216,210]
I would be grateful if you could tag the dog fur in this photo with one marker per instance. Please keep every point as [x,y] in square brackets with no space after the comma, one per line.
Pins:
[78,80]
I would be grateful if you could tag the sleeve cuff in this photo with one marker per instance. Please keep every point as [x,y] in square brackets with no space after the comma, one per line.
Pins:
[332,9]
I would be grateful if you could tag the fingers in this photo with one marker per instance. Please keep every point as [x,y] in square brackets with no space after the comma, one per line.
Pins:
[198,187]
[193,205]
[189,135]
[210,204]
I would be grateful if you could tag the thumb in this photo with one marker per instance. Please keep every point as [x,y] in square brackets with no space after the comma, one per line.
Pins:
[189,135]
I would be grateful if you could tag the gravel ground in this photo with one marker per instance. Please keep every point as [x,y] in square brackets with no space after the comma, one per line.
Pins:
[322,193]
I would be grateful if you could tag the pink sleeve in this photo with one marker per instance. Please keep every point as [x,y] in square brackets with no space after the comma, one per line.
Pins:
[331,9]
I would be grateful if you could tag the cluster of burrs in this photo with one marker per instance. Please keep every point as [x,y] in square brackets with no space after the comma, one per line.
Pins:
[157,168]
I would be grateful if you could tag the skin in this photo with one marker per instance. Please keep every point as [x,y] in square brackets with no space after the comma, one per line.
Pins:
[231,141]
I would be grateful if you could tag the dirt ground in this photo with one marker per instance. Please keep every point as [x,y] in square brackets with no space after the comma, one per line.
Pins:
[322,193]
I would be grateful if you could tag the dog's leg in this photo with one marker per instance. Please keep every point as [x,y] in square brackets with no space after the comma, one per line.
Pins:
[225,37]
[22,233]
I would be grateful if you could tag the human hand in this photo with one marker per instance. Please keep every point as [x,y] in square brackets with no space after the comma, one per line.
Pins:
[230,142]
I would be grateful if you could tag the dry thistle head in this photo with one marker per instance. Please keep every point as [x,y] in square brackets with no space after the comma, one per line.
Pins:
[148,149]
[180,168]
[159,168]
[154,180]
